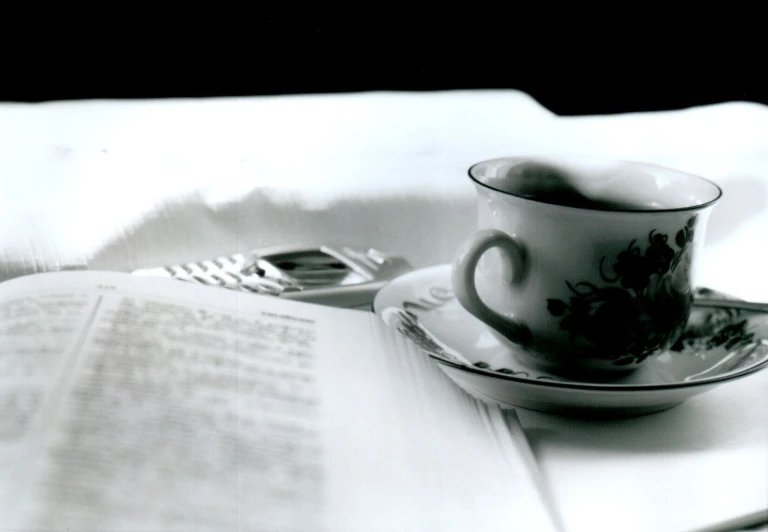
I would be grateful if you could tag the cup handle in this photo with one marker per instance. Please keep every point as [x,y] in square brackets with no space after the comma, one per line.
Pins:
[513,270]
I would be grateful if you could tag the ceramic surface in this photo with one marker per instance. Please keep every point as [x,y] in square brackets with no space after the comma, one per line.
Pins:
[720,343]
[586,263]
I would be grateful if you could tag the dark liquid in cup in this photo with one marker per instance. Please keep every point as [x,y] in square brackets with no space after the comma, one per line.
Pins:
[544,183]
[575,199]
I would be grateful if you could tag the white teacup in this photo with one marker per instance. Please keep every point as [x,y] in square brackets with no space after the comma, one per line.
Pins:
[589,263]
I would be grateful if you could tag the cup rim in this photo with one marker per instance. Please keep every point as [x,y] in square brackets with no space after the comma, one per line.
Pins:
[689,208]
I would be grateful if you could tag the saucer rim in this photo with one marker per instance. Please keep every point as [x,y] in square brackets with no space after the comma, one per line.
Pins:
[579,385]
[622,388]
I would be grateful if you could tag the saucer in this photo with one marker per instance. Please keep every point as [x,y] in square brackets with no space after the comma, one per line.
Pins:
[722,342]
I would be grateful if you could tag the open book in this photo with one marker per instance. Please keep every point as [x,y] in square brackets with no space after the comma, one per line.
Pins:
[137,404]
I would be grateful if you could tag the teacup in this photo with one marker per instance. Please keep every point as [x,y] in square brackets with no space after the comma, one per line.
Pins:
[585,265]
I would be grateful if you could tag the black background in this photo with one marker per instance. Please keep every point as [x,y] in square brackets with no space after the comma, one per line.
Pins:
[579,71]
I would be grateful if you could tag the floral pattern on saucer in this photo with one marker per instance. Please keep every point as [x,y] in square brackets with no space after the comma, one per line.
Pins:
[721,342]
[709,330]
[716,342]
[407,324]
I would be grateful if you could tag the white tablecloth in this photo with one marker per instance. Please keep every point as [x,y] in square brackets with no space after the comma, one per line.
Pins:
[127,184]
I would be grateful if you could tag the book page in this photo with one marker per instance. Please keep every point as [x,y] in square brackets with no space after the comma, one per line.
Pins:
[182,407]
[431,456]
[38,335]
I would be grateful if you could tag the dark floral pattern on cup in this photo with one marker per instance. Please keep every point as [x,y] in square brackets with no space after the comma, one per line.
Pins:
[643,305]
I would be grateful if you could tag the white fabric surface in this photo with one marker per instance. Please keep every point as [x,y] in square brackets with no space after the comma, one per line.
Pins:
[123,185]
